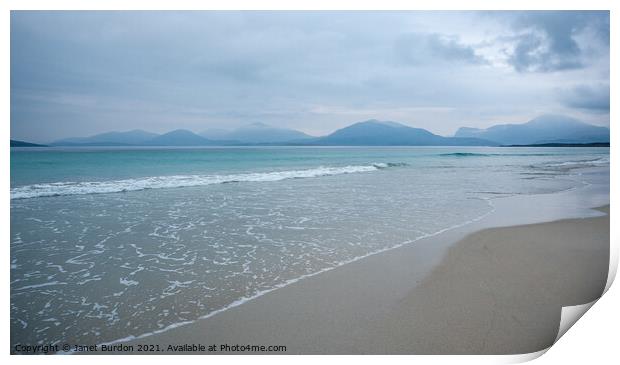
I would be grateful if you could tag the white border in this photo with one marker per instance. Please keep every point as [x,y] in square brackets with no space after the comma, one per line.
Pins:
[593,338]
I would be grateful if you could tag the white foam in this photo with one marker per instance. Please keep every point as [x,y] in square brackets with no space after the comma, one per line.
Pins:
[128,282]
[178,181]
[580,163]
[491,209]
[260,293]
[39,285]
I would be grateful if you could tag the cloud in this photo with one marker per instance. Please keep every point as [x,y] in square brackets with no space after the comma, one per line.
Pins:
[531,53]
[591,98]
[549,41]
[420,48]
[79,73]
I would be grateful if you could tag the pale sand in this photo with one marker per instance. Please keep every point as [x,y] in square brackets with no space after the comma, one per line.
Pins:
[497,291]
[501,290]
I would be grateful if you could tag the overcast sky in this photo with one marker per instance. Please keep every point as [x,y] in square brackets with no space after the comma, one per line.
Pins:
[82,73]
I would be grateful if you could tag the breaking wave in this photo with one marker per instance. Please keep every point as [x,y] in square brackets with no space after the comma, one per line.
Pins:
[464,154]
[472,154]
[577,163]
[179,181]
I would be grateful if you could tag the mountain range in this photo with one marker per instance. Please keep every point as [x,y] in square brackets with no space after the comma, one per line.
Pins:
[179,137]
[541,130]
[256,133]
[377,133]
[134,137]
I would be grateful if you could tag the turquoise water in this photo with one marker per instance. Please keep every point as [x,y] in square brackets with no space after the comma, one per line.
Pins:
[76,164]
[110,243]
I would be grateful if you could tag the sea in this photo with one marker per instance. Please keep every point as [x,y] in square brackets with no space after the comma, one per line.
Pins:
[110,244]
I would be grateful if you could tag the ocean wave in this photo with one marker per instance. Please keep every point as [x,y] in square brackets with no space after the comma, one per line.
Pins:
[472,154]
[579,163]
[464,154]
[385,165]
[180,181]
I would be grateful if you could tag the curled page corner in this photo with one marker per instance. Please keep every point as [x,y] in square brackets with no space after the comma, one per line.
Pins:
[521,358]
[613,267]
[570,315]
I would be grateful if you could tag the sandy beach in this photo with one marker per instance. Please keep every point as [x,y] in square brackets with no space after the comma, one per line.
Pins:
[501,290]
[495,291]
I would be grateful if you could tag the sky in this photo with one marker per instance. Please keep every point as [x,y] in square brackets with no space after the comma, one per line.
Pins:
[79,73]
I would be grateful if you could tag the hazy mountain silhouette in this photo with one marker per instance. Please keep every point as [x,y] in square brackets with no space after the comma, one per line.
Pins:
[16,143]
[543,129]
[256,133]
[179,137]
[134,137]
[378,133]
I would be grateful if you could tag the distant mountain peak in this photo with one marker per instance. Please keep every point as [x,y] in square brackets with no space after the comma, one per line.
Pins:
[179,131]
[555,120]
[547,128]
[394,124]
[382,122]
[379,133]
[257,125]
[179,137]
[257,133]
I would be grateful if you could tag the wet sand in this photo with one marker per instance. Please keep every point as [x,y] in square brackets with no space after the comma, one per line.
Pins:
[495,291]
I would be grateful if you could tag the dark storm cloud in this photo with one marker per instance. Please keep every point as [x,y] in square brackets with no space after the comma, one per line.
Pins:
[549,39]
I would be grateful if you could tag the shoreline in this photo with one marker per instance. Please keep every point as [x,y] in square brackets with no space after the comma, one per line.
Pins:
[456,309]
[345,304]
[139,338]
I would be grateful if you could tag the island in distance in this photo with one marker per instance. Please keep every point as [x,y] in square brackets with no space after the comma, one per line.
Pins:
[544,130]
[16,143]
